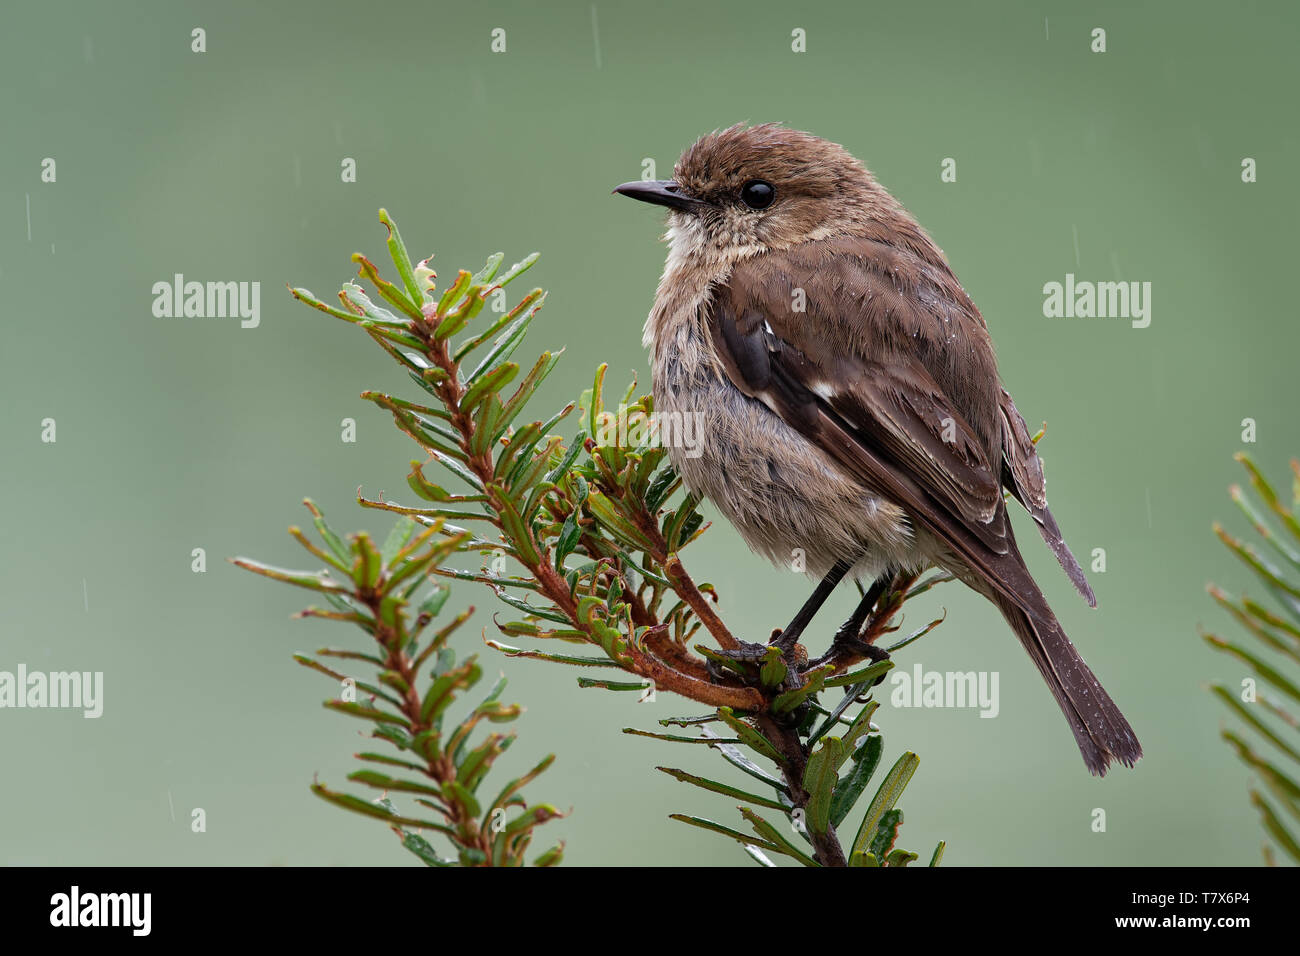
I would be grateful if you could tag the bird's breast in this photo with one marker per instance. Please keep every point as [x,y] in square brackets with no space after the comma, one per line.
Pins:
[790,501]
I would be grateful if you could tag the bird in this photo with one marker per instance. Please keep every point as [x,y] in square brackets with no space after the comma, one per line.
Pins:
[847,398]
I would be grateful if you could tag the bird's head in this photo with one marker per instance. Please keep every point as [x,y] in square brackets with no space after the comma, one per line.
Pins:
[747,190]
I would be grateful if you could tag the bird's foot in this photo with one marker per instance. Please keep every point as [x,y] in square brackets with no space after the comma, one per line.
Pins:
[848,645]
[793,653]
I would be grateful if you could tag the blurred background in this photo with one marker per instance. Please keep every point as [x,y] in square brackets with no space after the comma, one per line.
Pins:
[175,434]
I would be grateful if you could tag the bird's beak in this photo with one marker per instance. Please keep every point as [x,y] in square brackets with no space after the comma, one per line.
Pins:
[661,192]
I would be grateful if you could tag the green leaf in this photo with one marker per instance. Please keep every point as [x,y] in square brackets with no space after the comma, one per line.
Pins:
[390,292]
[334,542]
[660,488]
[1282,786]
[490,382]
[453,294]
[367,566]
[678,738]
[454,792]
[886,834]
[865,760]
[1278,642]
[422,849]
[744,838]
[518,533]
[1274,826]
[397,249]
[443,690]
[1265,491]
[819,780]
[886,797]
[395,735]
[790,700]
[306,297]
[779,843]
[530,470]
[314,581]
[533,817]
[317,666]
[471,769]
[750,737]
[426,432]
[916,635]
[456,468]
[570,456]
[602,508]
[398,538]
[596,399]
[485,275]
[857,727]
[348,802]
[518,269]
[526,388]
[553,658]
[382,781]
[568,540]
[734,756]
[587,683]
[518,444]
[505,344]
[535,299]
[866,675]
[1266,570]
[773,671]
[1231,699]
[353,709]
[937,857]
[757,855]
[390,761]
[674,526]
[715,786]
[433,604]
[391,333]
[546,614]
[551,857]
[355,299]
[514,786]
[1260,667]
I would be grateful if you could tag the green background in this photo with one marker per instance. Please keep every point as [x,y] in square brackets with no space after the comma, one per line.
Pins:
[184,433]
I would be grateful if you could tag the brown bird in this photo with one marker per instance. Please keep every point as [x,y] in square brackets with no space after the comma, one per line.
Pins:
[848,396]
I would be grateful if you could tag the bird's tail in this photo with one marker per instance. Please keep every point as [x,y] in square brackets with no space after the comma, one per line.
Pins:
[1099,728]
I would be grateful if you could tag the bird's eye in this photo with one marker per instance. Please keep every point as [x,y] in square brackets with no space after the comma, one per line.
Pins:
[757,194]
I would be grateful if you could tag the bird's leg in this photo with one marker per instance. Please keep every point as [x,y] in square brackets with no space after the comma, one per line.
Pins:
[790,635]
[786,638]
[849,630]
[846,638]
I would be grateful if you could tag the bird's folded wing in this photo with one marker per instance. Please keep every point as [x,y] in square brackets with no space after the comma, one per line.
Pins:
[1023,476]
[887,420]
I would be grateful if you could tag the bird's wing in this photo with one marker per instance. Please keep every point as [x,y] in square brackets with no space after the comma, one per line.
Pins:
[895,410]
[1022,474]
[871,401]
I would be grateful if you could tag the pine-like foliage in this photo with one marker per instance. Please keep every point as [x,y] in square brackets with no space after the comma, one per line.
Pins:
[1265,703]
[583,540]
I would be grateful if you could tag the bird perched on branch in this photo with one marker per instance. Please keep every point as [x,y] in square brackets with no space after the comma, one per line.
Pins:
[847,394]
